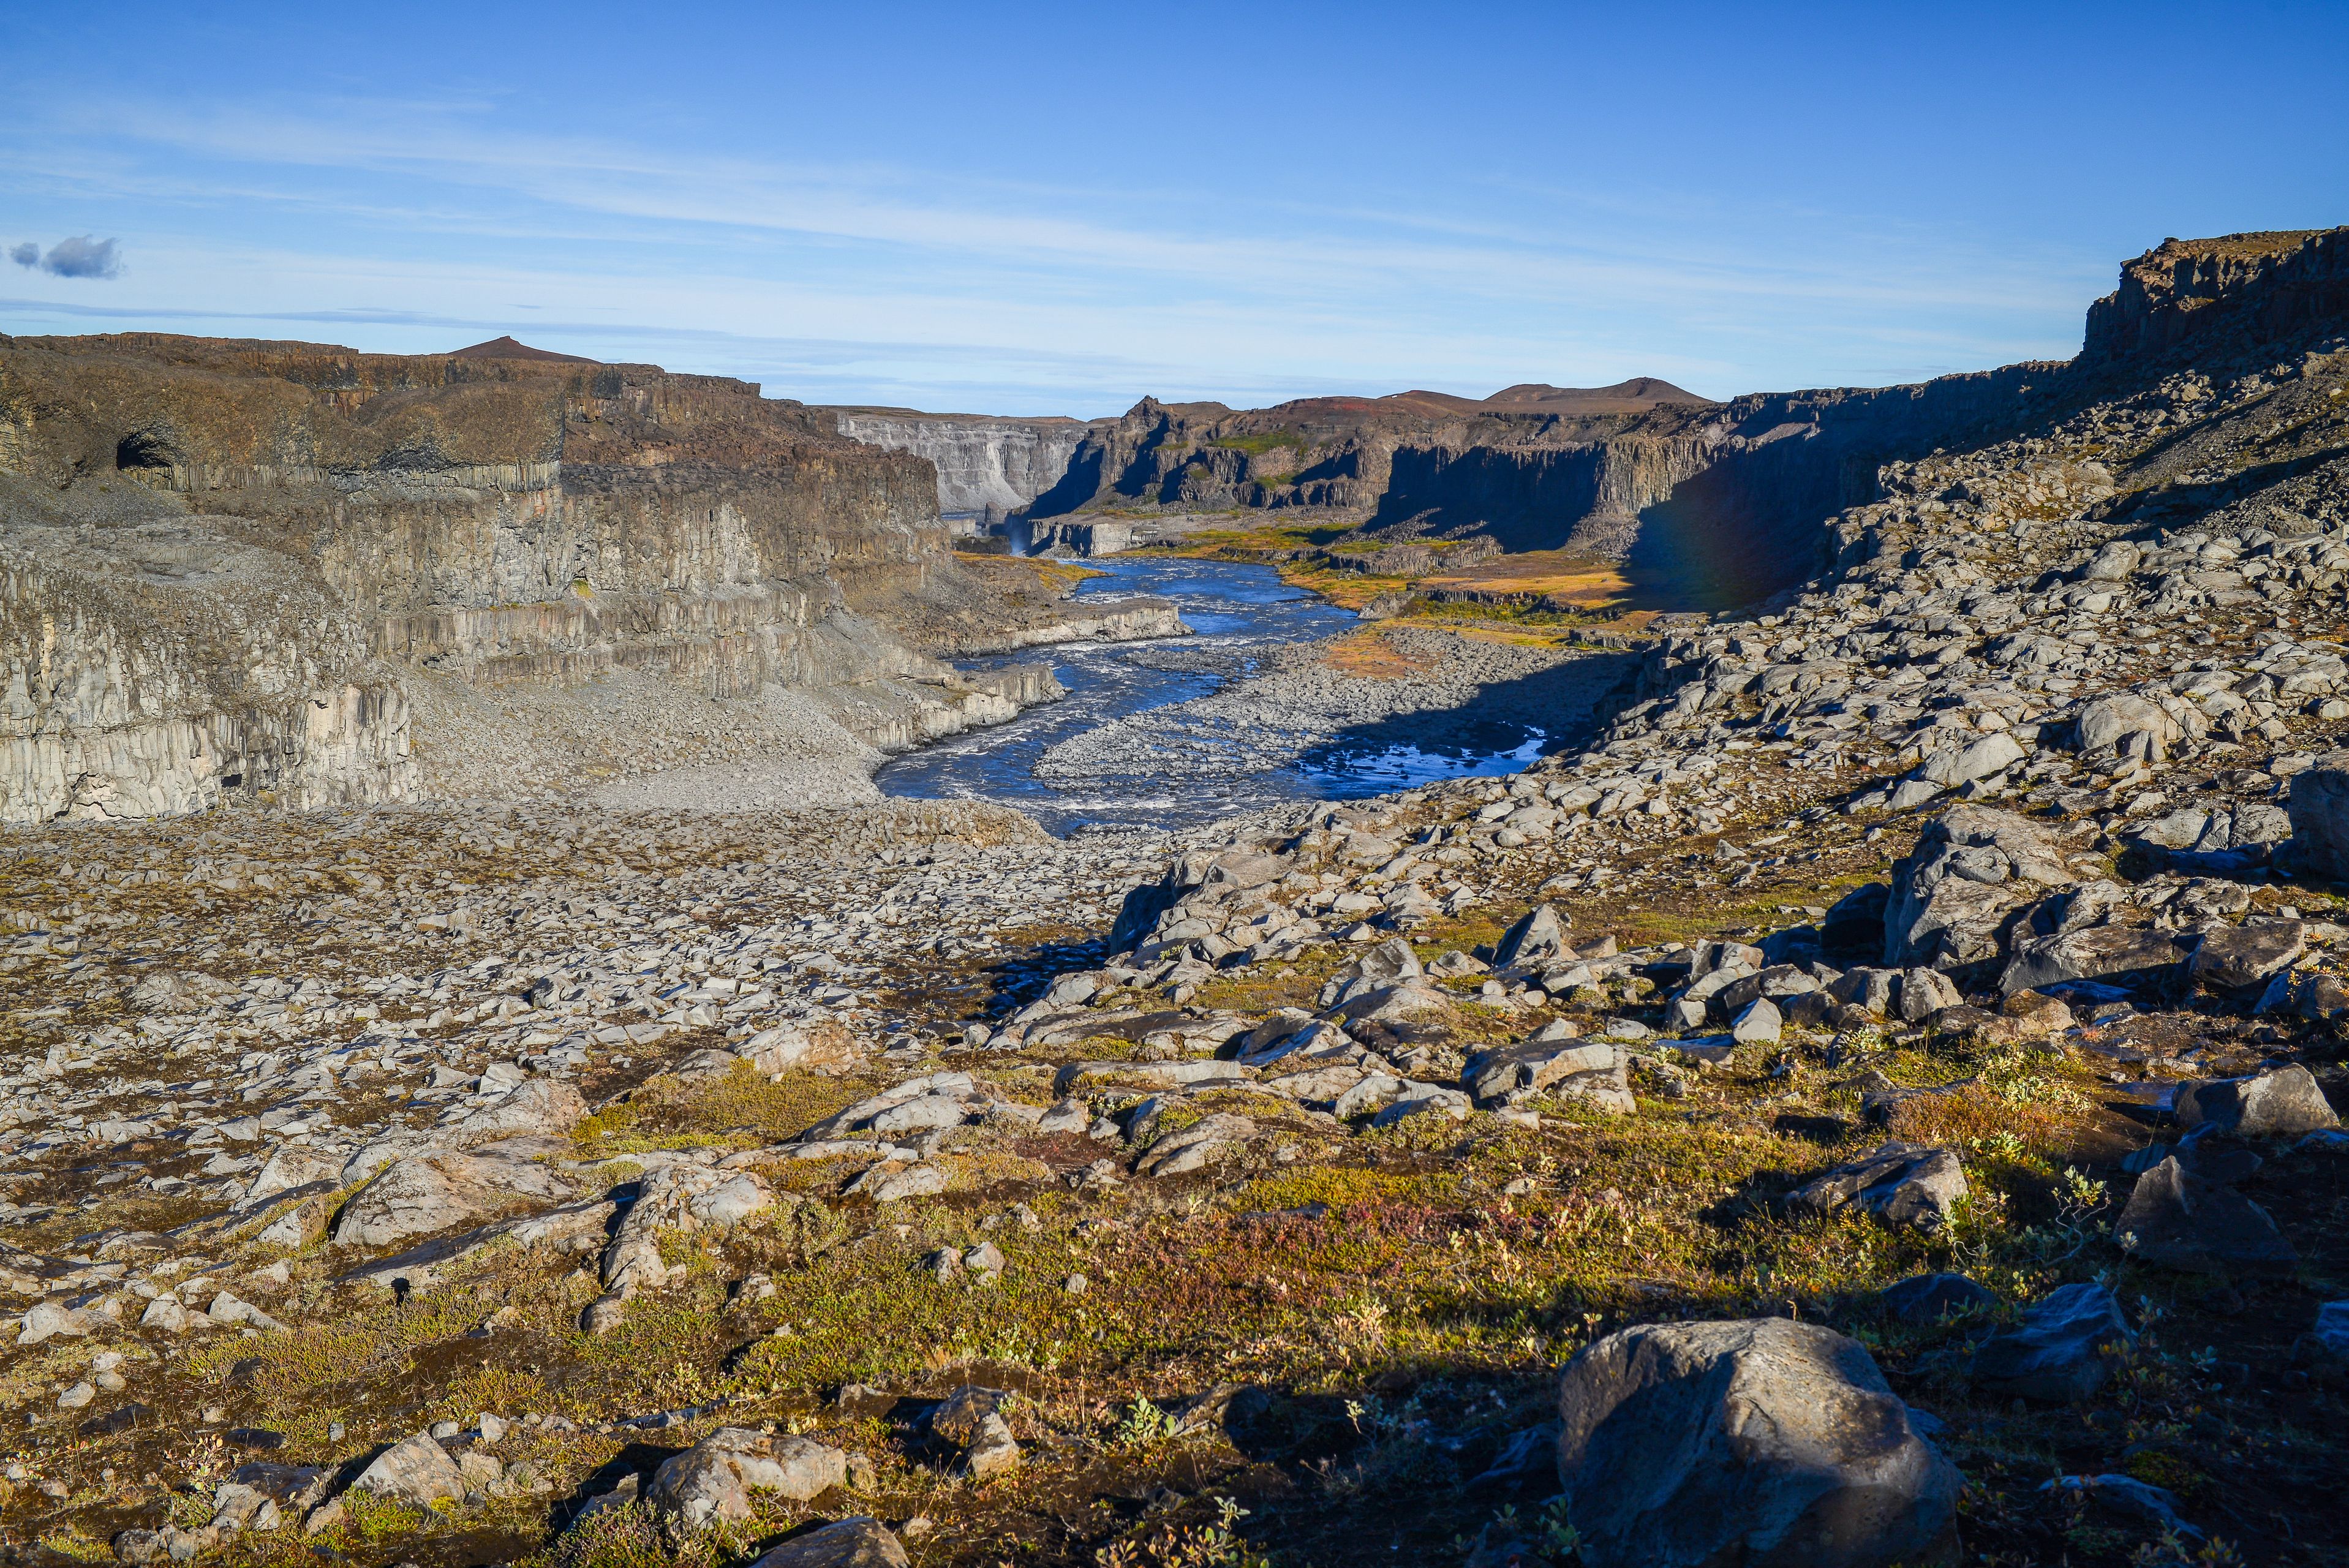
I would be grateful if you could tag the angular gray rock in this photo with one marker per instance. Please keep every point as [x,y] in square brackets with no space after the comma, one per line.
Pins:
[713,1480]
[1952,766]
[537,1108]
[415,1469]
[1539,934]
[1595,1070]
[2238,958]
[2094,952]
[1757,1024]
[2062,1351]
[1899,1183]
[2320,816]
[2279,1103]
[2184,1221]
[1388,964]
[1763,1442]
[1954,896]
[430,1192]
[2325,1348]
[1925,992]
[992,1450]
[1191,1147]
[957,1417]
[2109,719]
[859,1542]
[1926,1299]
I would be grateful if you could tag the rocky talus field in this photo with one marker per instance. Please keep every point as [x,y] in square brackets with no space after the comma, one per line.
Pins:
[1877,1102]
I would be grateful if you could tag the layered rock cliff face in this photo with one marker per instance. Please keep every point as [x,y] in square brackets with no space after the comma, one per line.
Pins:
[983,463]
[229,565]
[2186,294]
[1729,501]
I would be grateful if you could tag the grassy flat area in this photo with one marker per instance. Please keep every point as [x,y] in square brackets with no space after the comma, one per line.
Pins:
[1537,594]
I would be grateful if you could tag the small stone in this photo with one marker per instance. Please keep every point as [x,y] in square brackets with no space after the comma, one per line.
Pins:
[993,1452]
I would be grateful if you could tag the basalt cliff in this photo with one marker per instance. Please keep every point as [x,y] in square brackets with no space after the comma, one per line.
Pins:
[1728,501]
[322,577]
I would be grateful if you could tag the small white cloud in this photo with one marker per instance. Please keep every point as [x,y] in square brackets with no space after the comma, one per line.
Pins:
[82,257]
[27,254]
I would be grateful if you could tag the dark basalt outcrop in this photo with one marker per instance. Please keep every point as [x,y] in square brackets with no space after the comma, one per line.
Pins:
[2188,295]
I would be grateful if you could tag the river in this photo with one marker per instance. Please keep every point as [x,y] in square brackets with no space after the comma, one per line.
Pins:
[1234,613]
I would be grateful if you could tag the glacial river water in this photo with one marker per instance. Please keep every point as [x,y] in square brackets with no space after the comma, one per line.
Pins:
[1234,612]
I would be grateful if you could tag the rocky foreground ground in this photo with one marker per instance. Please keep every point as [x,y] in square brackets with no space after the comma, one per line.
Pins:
[1876,1102]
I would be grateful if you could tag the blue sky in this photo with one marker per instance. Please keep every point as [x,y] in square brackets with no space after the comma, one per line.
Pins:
[1049,208]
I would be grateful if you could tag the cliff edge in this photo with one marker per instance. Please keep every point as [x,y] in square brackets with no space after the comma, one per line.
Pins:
[312,576]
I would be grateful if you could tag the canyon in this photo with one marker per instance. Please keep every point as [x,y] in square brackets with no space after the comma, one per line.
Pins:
[1724,501]
[298,573]
[1869,1094]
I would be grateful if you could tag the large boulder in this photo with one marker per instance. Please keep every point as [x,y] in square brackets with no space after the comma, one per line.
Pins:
[1901,1183]
[1954,897]
[441,1191]
[2279,1103]
[2217,841]
[1952,766]
[1767,1443]
[713,1480]
[2109,719]
[417,1469]
[1199,878]
[799,1044]
[536,1108]
[2119,955]
[1390,962]
[1595,1070]
[2320,816]
[2236,958]
[860,1542]
[1539,935]
[676,1196]
[2183,1220]
[1193,1147]
[2062,1351]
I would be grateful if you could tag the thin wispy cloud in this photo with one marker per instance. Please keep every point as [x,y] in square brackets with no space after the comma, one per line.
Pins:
[1015,223]
[383,218]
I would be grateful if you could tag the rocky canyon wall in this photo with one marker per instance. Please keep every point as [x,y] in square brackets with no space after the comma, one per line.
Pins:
[1728,502]
[2186,294]
[227,564]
